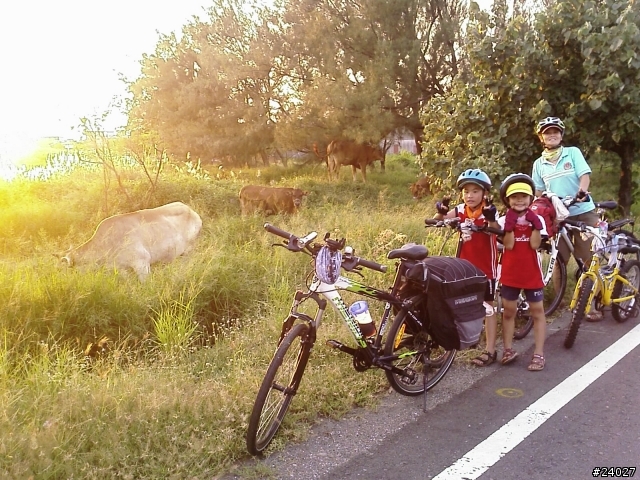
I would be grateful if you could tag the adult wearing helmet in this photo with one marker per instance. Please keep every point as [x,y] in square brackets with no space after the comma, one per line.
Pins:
[564,172]
[521,269]
[479,248]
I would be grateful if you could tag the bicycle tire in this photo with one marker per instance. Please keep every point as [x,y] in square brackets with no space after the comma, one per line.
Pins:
[579,312]
[623,311]
[278,388]
[403,337]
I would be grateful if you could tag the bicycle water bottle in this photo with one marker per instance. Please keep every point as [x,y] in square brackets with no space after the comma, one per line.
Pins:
[603,227]
[360,310]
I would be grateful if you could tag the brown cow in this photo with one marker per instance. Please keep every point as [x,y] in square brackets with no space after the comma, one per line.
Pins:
[270,200]
[139,239]
[358,155]
[421,188]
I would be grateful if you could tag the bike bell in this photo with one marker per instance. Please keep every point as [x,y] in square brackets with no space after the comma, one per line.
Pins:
[328,263]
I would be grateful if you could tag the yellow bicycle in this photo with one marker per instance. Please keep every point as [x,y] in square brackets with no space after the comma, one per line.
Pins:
[611,279]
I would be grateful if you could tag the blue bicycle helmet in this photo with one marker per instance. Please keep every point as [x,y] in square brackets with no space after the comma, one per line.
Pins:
[474,175]
[521,183]
[550,122]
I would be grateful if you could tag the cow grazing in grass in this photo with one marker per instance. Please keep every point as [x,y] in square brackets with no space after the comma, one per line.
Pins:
[139,239]
[358,155]
[270,200]
[421,188]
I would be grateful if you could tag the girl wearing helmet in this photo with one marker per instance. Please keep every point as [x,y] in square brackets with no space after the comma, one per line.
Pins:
[479,248]
[564,172]
[521,269]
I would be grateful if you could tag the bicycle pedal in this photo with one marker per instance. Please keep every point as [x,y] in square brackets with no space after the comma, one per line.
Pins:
[334,344]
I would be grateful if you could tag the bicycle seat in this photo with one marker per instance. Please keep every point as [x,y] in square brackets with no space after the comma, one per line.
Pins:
[410,251]
[620,223]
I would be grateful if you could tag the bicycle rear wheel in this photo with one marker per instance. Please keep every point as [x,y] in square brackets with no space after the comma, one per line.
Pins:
[554,291]
[278,388]
[624,310]
[579,312]
[406,339]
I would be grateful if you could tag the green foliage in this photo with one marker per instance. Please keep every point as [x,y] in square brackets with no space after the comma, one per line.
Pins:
[244,86]
[174,326]
[577,60]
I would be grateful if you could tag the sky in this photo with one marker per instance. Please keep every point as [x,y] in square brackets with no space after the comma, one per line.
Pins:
[61,60]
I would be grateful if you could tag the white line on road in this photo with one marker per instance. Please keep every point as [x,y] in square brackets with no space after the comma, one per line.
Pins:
[478,460]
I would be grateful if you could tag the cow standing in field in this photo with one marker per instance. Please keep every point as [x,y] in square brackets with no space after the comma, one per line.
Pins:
[139,239]
[421,188]
[270,200]
[358,155]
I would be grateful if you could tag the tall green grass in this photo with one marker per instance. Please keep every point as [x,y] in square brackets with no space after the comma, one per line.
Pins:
[187,350]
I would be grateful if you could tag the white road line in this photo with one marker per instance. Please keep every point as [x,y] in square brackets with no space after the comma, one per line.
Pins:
[478,460]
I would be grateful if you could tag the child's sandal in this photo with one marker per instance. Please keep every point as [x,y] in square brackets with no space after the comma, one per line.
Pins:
[508,356]
[484,359]
[537,363]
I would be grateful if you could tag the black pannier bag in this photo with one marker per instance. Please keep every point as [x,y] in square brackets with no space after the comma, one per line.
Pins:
[455,291]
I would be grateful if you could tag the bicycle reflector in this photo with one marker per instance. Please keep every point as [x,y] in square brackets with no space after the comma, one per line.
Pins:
[328,264]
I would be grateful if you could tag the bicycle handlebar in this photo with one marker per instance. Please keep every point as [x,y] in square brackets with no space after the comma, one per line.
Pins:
[456,224]
[297,244]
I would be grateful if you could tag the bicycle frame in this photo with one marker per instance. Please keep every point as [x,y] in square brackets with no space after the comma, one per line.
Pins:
[368,350]
[603,274]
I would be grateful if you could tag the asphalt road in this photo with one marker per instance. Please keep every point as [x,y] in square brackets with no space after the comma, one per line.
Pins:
[501,422]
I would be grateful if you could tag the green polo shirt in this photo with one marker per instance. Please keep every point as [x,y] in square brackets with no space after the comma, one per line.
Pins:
[563,177]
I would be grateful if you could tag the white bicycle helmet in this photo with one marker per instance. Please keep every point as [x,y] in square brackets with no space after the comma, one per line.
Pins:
[328,263]
[474,175]
[550,122]
[519,180]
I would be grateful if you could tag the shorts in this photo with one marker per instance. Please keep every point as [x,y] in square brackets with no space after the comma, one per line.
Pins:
[490,292]
[582,248]
[512,293]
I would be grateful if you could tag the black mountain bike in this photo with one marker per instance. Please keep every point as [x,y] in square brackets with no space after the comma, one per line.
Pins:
[410,357]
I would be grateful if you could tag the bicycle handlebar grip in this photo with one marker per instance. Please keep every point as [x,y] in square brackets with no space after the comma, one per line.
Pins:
[495,231]
[372,265]
[276,231]
[431,221]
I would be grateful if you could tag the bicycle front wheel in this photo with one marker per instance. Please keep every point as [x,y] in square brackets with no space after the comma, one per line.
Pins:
[624,310]
[557,283]
[411,343]
[278,388]
[579,312]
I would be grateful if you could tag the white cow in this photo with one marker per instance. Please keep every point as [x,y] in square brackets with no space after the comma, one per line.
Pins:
[139,239]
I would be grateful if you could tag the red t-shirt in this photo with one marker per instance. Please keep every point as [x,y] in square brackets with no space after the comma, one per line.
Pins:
[521,267]
[482,249]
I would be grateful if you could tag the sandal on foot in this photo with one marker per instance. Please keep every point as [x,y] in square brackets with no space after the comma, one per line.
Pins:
[594,316]
[537,363]
[508,356]
[484,359]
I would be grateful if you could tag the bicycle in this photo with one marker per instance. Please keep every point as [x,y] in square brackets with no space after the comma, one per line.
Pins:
[610,280]
[551,258]
[412,359]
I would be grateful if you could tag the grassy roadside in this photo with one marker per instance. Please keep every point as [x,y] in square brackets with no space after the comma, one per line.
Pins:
[168,400]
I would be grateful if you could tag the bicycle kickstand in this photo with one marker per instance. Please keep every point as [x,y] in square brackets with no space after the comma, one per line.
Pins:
[425,376]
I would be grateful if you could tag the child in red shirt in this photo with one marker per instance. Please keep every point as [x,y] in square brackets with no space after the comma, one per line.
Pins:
[478,248]
[521,268]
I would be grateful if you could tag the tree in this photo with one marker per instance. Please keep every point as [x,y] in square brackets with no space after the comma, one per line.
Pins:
[363,70]
[247,81]
[209,94]
[576,60]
